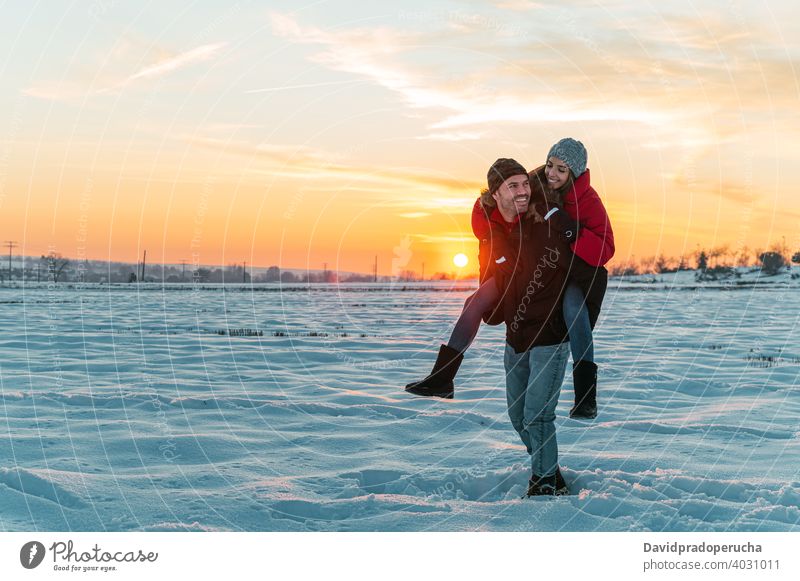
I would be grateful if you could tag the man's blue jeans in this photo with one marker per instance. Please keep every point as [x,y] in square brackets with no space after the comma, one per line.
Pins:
[533,384]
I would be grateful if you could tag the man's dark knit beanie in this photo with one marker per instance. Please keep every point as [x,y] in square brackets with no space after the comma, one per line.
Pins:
[501,170]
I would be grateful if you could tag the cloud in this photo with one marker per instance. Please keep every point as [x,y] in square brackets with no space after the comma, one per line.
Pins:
[453,136]
[225,127]
[730,191]
[303,162]
[518,5]
[735,193]
[377,53]
[689,82]
[165,66]
[67,90]
[51,91]
[445,238]
[295,155]
[708,32]
[171,64]
[303,86]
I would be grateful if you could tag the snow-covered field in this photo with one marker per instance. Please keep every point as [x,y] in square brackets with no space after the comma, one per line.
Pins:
[134,408]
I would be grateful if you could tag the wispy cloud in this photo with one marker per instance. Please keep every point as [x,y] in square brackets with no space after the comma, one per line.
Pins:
[376,54]
[306,163]
[446,238]
[70,89]
[201,53]
[304,86]
[730,191]
[689,83]
[52,91]
[414,215]
[171,64]
[453,136]
[518,5]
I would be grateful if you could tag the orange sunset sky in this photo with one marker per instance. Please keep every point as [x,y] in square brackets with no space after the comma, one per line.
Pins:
[296,135]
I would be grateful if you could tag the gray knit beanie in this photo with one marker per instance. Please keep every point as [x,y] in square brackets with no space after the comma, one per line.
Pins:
[572,152]
[501,170]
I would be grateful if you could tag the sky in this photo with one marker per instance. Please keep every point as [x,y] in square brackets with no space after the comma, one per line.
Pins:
[319,134]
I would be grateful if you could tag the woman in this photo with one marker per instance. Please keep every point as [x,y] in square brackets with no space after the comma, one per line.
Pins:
[568,181]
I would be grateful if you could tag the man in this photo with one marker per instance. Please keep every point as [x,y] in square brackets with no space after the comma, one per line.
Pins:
[527,262]
[536,259]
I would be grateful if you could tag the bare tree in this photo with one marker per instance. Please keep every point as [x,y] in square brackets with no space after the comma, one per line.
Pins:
[664,265]
[55,265]
[743,256]
[716,253]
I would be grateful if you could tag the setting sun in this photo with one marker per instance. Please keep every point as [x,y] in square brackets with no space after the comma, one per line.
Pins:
[460,260]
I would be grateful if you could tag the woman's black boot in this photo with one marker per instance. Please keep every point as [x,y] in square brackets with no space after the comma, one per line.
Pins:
[584,377]
[440,381]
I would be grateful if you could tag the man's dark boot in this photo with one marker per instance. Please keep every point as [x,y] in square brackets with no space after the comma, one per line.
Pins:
[561,485]
[440,381]
[584,378]
[542,486]
[552,485]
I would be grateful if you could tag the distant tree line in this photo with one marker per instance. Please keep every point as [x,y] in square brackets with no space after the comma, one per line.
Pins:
[714,262]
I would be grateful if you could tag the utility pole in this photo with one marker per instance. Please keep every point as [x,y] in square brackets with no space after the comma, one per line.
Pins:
[183,271]
[375,270]
[11,244]
[244,271]
[144,259]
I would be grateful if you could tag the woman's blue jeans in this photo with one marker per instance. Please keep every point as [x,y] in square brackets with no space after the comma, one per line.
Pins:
[484,299]
[533,384]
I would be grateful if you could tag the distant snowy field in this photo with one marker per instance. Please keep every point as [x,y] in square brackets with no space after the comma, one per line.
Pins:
[134,408]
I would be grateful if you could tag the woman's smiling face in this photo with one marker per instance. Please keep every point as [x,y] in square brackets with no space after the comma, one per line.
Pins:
[557,173]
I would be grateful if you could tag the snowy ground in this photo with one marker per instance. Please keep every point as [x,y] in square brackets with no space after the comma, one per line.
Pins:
[124,408]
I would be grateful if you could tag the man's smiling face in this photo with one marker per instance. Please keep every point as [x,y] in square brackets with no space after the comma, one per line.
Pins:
[514,195]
